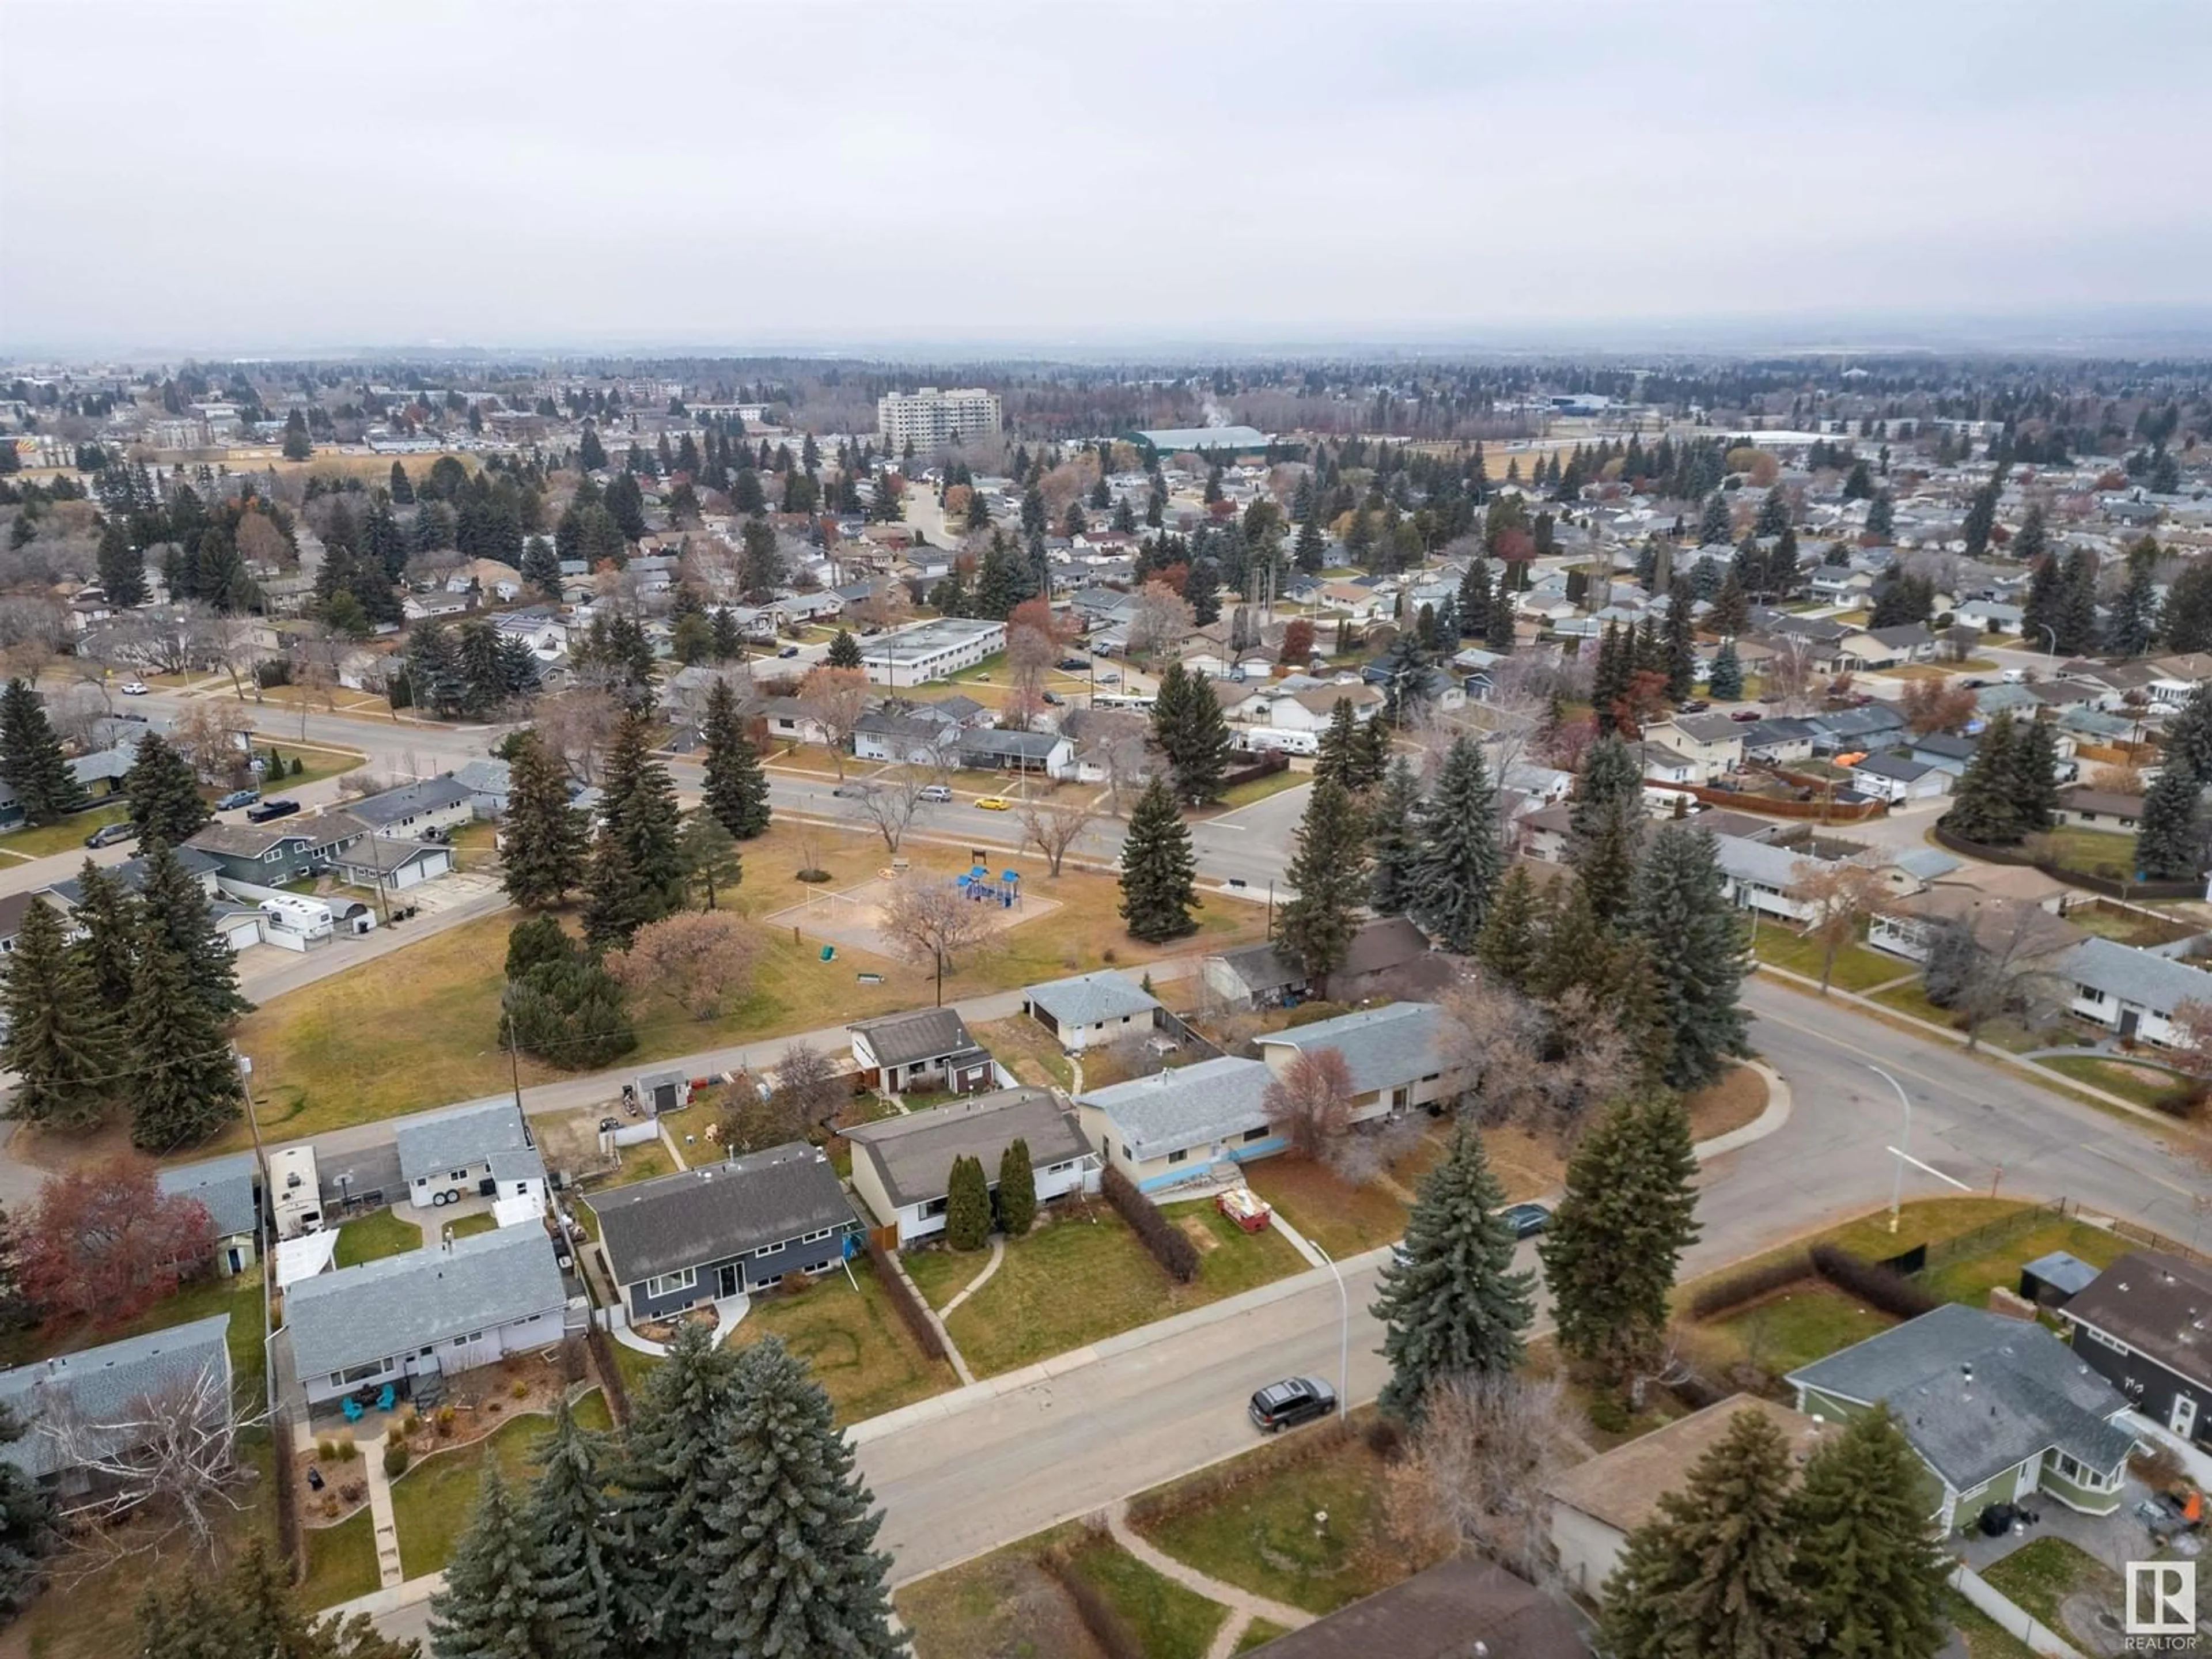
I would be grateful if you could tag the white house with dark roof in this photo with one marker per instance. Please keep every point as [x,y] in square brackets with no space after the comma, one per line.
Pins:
[1090,1010]
[1178,1124]
[2131,992]
[225,1186]
[903,1166]
[432,1312]
[416,810]
[1398,1056]
[926,1048]
[483,1149]
[106,1386]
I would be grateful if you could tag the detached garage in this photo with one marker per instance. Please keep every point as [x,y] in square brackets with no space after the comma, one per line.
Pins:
[394,865]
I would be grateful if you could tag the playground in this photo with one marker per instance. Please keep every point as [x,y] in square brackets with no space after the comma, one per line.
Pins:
[852,919]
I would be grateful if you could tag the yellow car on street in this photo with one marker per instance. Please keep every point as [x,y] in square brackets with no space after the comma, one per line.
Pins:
[993,803]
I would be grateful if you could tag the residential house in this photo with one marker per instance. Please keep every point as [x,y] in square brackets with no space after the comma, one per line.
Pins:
[487,780]
[2131,992]
[1043,753]
[2141,1325]
[1991,616]
[271,854]
[2099,809]
[719,1230]
[465,1151]
[1890,647]
[903,1166]
[413,811]
[12,908]
[1178,1124]
[108,1386]
[1658,764]
[1251,976]
[1876,724]
[1462,1606]
[928,1048]
[1712,743]
[1756,876]
[1943,751]
[1898,778]
[1398,1056]
[1998,1409]
[1597,1503]
[908,739]
[1910,870]
[391,866]
[1779,741]
[225,1186]
[1387,955]
[1090,1010]
[431,1313]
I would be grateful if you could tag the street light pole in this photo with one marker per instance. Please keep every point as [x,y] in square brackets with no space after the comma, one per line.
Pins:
[2051,657]
[1905,1147]
[1344,1337]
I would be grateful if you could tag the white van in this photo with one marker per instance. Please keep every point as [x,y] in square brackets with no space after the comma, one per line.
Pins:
[1264,738]
[1662,803]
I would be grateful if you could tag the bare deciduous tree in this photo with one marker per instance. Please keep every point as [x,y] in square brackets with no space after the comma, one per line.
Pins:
[700,960]
[834,700]
[213,736]
[1475,1476]
[754,1118]
[1056,826]
[577,726]
[1841,897]
[1161,620]
[1994,961]
[931,922]
[809,1085]
[1309,1102]
[1115,740]
[890,803]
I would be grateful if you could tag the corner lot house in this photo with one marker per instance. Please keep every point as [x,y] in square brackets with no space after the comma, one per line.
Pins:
[1178,1124]
[903,1166]
[428,1313]
[1397,1055]
[468,1152]
[2139,1326]
[1996,1409]
[721,1230]
[1090,1010]
[225,1186]
[1597,1504]
[928,1048]
[2131,992]
[105,1385]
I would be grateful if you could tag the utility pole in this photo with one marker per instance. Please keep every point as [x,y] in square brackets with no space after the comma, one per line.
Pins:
[514,1056]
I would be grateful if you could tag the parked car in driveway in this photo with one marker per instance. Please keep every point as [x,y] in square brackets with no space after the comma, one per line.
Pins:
[238,798]
[1527,1220]
[108,834]
[1294,1401]
[268,810]
[134,688]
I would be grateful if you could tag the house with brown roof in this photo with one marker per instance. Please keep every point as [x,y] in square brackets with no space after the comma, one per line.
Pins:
[1596,1505]
[1458,1607]
[2145,1326]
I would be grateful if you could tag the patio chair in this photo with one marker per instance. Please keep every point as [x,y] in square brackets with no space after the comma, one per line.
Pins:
[383,1400]
[352,1409]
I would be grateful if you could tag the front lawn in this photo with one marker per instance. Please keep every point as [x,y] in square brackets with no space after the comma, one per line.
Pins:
[367,1238]
[1085,1277]
[1262,1535]
[1970,1278]
[483,1221]
[1000,1605]
[2041,1574]
[853,1344]
[1857,968]
[1342,1219]
[1244,794]
[1168,1621]
[2093,851]
[432,1502]
[1028,1050]
[66,837]
[1258,1634]
[341,1561]
[1795,1326]
[2143,1085]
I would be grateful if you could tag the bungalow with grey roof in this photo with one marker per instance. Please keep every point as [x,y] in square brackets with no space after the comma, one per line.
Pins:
[1398,1056]
[903,1166]
[484,1149]
[102,1390]
[2131,992]
[1091,1009]
[926,1048]
[415,811]
[1179,1124]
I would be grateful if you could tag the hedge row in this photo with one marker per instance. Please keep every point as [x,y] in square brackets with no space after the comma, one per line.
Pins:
[1732,1291]
[904,1296]
[1877,1286]
[1170,1247]
[610,1376]
[1100,1617]
[1207,1488]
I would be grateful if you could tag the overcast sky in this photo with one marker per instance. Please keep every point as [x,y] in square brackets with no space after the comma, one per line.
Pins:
[262,177]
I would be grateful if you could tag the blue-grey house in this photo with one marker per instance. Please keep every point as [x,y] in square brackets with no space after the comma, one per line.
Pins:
[722,1229]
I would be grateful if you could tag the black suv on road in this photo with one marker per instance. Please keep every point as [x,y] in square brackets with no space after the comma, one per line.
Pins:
[1294,1401]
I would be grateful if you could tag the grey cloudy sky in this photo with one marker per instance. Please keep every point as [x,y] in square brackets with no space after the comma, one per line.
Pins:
[252,176]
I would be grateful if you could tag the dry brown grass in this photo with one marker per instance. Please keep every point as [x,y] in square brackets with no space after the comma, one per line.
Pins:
[1738,1098]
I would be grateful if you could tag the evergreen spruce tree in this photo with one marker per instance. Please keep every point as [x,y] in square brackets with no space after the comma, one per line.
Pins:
[1713,522]
[1731,612]
[844,650]
[1370,753]
[1874,1578]
[615,902]
[571,1517]
[1017,1200]
[184,1084]
[30,760]
[1605,827]
[173,915]
[736,787]
[788,1556]
[122,567]
[2035,777]
[968,1206]
[62,1042]
[1982,806]
[1189,726]
[1681,642]
[1882,515]
[664,1490]
[541,566]
[2187,742]
[1159,869]
[1687,921]
[2170,839]
[1393,841]
[1498,626]
[1451,1303]
[712,864]
[1725,683]
[1512,933]
[109,918]
[1337,755]
[2134,620]
[1328,868]
[1711,1574]
[543,837]
[1627,1215]
[497,1601]
[638,807]
[1461,859]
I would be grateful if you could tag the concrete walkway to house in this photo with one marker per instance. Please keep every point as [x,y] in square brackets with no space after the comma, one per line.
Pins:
[998,1256]
[728,1310]
[380,1523]
[1244,1606]
[936,1319]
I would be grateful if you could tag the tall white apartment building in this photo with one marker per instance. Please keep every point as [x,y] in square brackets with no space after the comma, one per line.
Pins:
[929,417]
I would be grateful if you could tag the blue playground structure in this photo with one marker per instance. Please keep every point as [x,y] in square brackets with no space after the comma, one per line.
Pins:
[977,884]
